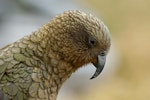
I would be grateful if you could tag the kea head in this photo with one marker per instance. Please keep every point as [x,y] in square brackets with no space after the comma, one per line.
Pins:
[80,39]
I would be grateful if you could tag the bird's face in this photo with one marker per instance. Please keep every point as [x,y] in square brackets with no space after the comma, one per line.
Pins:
[85,39]
[94,43]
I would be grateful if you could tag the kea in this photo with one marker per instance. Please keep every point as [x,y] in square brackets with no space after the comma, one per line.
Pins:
[36,66]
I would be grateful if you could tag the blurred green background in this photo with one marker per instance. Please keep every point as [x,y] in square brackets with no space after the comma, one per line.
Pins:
[127,73]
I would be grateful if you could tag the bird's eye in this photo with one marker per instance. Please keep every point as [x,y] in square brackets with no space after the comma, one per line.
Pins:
[92,41]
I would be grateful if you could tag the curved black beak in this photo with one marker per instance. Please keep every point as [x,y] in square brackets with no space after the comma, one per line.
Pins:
[99,65]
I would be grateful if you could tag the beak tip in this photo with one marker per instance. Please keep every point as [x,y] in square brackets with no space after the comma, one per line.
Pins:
[99,66]
[96,74]
[91,78]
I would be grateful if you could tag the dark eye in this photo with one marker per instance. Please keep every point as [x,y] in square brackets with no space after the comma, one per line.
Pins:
[92,41]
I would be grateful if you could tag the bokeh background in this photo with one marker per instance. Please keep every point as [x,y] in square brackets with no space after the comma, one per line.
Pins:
[127,72]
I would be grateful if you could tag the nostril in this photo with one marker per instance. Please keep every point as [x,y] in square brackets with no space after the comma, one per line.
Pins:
[103,53]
